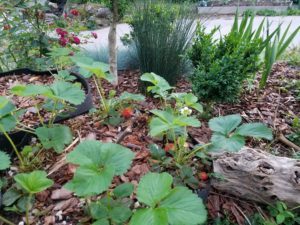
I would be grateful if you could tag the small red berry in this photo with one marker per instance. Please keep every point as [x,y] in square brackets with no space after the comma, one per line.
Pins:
[6,27]
[169,146]
[74,12]
[127,112]
[203,176]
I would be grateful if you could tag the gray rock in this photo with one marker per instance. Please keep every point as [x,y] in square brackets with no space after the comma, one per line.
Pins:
[103,13]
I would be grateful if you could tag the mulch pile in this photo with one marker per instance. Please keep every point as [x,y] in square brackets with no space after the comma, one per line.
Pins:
[276,106]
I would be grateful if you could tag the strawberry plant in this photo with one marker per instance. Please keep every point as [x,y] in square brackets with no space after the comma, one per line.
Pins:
[33,183]
[229,135]
[4,164]
[114,207]
[110,105]
[165,205]
[55,137]
[98,164]
[8,121]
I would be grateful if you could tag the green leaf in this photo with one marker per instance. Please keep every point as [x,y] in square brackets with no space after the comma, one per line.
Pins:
[160,85]
[91,180]
[184,208]
[6,107]
[153,188]
[98,164]
[66,91]
[158,127]
[33,182]
[64,75]
[98,68]
[126,96]
[4,161]
[233,143]
[11,196]
[280,218]
[149,217]
[156,151]
[190,100]
[98,211]
[56,137]
[7,120]
[30,90]
[178,206]
[256,130]
[225,124]
[59,52]
[123,190]
[120,214]
[7,123]
[101,222]
[166,121]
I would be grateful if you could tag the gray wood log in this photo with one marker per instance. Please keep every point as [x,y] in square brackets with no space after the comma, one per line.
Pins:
[258,176]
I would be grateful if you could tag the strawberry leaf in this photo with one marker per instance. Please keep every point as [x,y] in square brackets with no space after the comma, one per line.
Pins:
[178,206]
[225,124]
[65,91]
[98,164]
[56,137]
[4,161]
[33,182]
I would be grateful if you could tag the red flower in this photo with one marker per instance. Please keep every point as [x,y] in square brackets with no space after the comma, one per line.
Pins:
[76,40]
[74,12]
[63,41]
[203,176]
[95,35]
[127,112]
[169,146]
[65,15]
[61,32]
[6,27]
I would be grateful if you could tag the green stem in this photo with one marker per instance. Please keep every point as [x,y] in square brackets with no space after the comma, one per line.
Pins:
[101,94]
[13,145]
[28,131]
[27,208]
[53,114]
[297,207]
[196,150]
[25,126]
[6,221]
[39,114]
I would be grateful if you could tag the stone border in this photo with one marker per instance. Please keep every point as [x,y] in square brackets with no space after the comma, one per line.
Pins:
[223,10]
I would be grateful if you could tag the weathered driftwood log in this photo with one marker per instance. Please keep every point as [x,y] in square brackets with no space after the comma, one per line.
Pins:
[258,176]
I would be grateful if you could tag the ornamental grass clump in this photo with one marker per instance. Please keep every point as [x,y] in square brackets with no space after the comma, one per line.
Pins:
[161,35]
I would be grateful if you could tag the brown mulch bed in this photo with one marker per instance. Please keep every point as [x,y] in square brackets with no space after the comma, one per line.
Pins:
[276,106]
[30,116]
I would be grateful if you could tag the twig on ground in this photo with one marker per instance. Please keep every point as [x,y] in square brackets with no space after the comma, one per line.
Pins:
[62,162]
[123,134]
[287,142]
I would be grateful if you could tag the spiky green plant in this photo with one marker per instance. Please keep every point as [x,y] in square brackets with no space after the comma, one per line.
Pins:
[275,48]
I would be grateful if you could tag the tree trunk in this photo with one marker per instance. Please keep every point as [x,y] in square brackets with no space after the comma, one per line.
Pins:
[258,176]
[112,39]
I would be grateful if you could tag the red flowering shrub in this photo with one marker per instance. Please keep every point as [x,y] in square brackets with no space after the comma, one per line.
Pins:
[94,34]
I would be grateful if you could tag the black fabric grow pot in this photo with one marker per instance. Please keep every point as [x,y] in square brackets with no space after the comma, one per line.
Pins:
[21,138]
